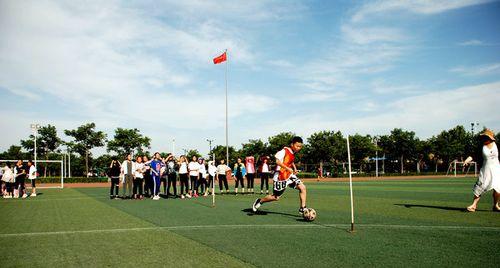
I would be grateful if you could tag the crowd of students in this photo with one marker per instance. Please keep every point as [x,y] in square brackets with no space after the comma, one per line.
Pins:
[162,177]
[13,179]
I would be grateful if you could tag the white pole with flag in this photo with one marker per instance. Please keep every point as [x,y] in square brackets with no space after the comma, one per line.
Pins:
[227,126]
[350,184]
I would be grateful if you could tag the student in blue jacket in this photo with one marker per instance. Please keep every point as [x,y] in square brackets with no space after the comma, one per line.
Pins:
[239,172]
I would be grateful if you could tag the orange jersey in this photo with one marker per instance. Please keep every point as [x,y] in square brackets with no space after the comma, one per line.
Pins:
[286,156]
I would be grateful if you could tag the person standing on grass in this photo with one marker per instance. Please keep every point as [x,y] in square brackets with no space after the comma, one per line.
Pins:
[148,188]
[138,178]
[264,171]
[128,168]
[171,175]
[221,176]
[157,168]
[250,168]
[32,176]
[184,177]
[239,172]
[20,175]
[163,178]
[194,175]
[114,175]
[2,183]
[9,179]
[489,175]
[285,176]
[212,171]
[202,182]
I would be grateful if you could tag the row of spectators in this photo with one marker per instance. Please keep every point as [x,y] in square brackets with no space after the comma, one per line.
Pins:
[143,177]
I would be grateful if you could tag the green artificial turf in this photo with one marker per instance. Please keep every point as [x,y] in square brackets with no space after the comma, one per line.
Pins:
[411,223]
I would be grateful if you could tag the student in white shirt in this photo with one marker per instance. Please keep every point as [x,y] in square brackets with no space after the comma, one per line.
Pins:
[32,177]
[183,177]
[222,169]
[194,168]
[265,171]
[128,169]
[138,178]
[212,171]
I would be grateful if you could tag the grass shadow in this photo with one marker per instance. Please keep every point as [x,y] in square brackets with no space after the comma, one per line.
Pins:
[461,209]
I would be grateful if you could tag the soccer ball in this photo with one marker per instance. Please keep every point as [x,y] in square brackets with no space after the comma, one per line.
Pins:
[309,214]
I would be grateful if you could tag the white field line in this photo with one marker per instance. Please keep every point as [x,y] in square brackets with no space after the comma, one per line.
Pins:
[277,226]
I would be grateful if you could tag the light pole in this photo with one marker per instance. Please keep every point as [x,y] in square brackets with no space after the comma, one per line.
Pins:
[210,145]
[35,128]
[472,125]
[173,146]
[376,156]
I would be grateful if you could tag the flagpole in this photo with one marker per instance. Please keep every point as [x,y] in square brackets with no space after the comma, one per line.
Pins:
[350,184]
[227,142]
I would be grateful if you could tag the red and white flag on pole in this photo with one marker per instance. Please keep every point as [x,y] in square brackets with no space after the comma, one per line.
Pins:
[220,59]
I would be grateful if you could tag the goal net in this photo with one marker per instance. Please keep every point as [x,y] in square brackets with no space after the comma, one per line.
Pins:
[56,170]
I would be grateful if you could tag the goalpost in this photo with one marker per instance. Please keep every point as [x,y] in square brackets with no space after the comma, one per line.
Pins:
[40,184]
[462,168]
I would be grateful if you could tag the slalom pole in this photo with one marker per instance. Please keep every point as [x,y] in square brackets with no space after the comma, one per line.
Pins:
[213,183]
[350,184]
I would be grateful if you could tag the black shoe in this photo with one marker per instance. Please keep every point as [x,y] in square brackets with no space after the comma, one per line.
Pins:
[301,210]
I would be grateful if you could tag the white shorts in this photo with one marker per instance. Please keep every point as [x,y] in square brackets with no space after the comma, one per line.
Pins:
[279,187]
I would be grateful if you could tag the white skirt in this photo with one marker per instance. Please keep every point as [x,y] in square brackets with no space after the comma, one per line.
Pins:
[489,178]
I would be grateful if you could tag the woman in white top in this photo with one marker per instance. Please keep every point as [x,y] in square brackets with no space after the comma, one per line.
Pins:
[202,182]
[221,175]
[9,179]
[32,177]
[183,176]
[194,168]
[212,171]
[489,175]
[138,178]
[265,172]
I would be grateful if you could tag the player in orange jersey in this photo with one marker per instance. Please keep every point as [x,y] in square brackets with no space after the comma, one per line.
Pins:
[285,176]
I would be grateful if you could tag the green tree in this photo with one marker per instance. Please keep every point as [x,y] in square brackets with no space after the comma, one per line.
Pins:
[325,146]
[127,141]
[361,147]
[220,153]
[254,148]
[85,138]
[191,153]
[400,145]
[14,153]
[454,144]
[279,141]
[47,142]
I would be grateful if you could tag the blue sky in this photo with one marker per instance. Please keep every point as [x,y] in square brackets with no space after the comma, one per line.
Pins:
[300,66]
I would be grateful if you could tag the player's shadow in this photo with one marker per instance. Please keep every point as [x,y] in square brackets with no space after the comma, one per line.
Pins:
[250,212]
[461,209]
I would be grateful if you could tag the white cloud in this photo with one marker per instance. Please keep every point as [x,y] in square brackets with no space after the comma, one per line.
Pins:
[479,70]
[424,114]
[472,42]
[426,7]
[367,35]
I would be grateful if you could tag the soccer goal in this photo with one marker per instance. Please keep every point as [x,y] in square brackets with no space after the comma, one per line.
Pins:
[40,182]
[465,168]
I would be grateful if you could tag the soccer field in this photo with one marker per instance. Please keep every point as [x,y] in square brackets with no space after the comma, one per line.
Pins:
[399,223]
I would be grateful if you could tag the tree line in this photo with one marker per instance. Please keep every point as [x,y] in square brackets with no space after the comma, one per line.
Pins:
[401,149]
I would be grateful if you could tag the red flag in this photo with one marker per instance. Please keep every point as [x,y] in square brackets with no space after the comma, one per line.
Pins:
[221,58]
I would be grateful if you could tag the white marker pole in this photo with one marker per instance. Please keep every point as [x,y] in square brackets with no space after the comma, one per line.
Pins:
[350,184]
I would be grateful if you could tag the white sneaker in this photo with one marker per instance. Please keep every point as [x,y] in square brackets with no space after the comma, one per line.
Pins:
[188,196]
[7,196]
[32,195]
[182,196]
[24,196]
[256,205]
[156,197]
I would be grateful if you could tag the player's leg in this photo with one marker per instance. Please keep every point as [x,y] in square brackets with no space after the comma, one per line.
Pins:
[236,184]
[473,206]
[302,196]
[33,188]
[111,188]
[496,199]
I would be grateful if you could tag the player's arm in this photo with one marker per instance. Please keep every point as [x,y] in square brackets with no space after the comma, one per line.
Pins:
[294,168]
